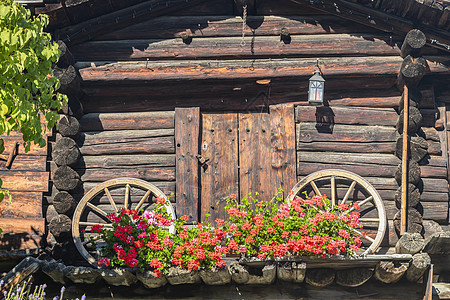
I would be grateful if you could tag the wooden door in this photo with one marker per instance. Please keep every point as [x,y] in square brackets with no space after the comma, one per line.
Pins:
[219,154]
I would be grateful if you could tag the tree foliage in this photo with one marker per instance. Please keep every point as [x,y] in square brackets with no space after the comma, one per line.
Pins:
[28,97]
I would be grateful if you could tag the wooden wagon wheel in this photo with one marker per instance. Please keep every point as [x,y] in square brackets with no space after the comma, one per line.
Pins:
[111,196]
[346,187]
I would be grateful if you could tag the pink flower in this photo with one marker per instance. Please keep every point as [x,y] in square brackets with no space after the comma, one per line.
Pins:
[150,216]
[104,261]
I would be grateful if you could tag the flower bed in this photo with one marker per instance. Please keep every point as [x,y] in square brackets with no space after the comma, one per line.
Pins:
[266,230]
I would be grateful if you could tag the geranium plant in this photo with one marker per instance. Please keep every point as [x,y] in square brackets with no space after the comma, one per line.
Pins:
[309,227]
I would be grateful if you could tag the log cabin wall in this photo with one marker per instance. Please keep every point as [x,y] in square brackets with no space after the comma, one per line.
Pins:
[194,58]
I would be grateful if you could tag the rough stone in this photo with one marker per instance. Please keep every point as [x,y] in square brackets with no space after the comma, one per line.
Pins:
[438,243]
[216,276]
[149,280]
[291,271]
[118,277]
[239,273]
[55,271]
[82,274]
[178,276]
[269,273]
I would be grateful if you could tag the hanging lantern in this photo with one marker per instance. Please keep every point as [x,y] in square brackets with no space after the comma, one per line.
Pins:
[316,88]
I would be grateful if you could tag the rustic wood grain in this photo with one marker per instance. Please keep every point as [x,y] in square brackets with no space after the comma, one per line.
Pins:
[374,147]
[26,163]
[22,205]
[283,154]
[25,181]
[126,161]
[187,127]
[213,26]
[346,115]
[121,136]
[148,174]
[254,151]
[124,121]
[220,173]
[167,187]
[348,158]
[309,132]
[230,47]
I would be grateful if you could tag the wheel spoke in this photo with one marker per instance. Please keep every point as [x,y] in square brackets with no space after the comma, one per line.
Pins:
[143,199]
[127,195]
[362,203]
[100,211]
[365,237]
[111,200]
[94,223]
[369,220]
[333,191]
[349,191]
[315,188]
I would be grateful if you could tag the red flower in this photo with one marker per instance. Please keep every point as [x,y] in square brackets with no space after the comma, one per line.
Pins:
[246,226]
[155,263]
[249,239]
[184,218]
[233,196]
[139,244]
[157,273]
[193,265]
[220,222]
[97,228]
[161,200]
[104,261]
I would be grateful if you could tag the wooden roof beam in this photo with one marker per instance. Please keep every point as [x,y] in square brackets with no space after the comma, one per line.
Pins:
[380,20]
[87,30]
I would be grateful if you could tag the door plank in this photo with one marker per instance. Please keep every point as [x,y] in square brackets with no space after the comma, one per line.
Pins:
[283,154]
[187,127]
[254,154]
[220,173]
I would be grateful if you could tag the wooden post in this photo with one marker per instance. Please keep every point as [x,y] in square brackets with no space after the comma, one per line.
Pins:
[404,206]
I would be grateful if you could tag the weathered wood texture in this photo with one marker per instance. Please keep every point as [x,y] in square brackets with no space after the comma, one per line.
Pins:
[219,171]
[124,121]
[254,149]
[283,154]
[187,127]
[20,233]
[222,26]
[229,47]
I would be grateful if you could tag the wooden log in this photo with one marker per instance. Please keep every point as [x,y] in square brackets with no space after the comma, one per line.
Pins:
[35,150]
[124,121]
[434,148]
[61,227]
[121,136]
[22,233]
[291,272]
[414,96]
[187,127]
[148,174]
[66,57]
[69,126]
[49,212]
[346,115]
[159,145]
[230,47]
[414,121]
[126,161]
[56,12]
[414,41]
[69,79]
[66,179]
[73,107]
[320,277]
[419,264]
[412,70]
[353,277]
[306,168]
[418,148]
[413,173]
[375,102]
[389,272]
[375,147]
[433,172]
[429,133]
[65,152]
[414,223]
[413,196]
[410,243]
[22,205]
[307,132]
[25,181]
[64,203]
[348,158]
[167,27]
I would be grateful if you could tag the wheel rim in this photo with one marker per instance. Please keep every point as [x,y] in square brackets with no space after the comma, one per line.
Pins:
[373,216]
[111,196]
